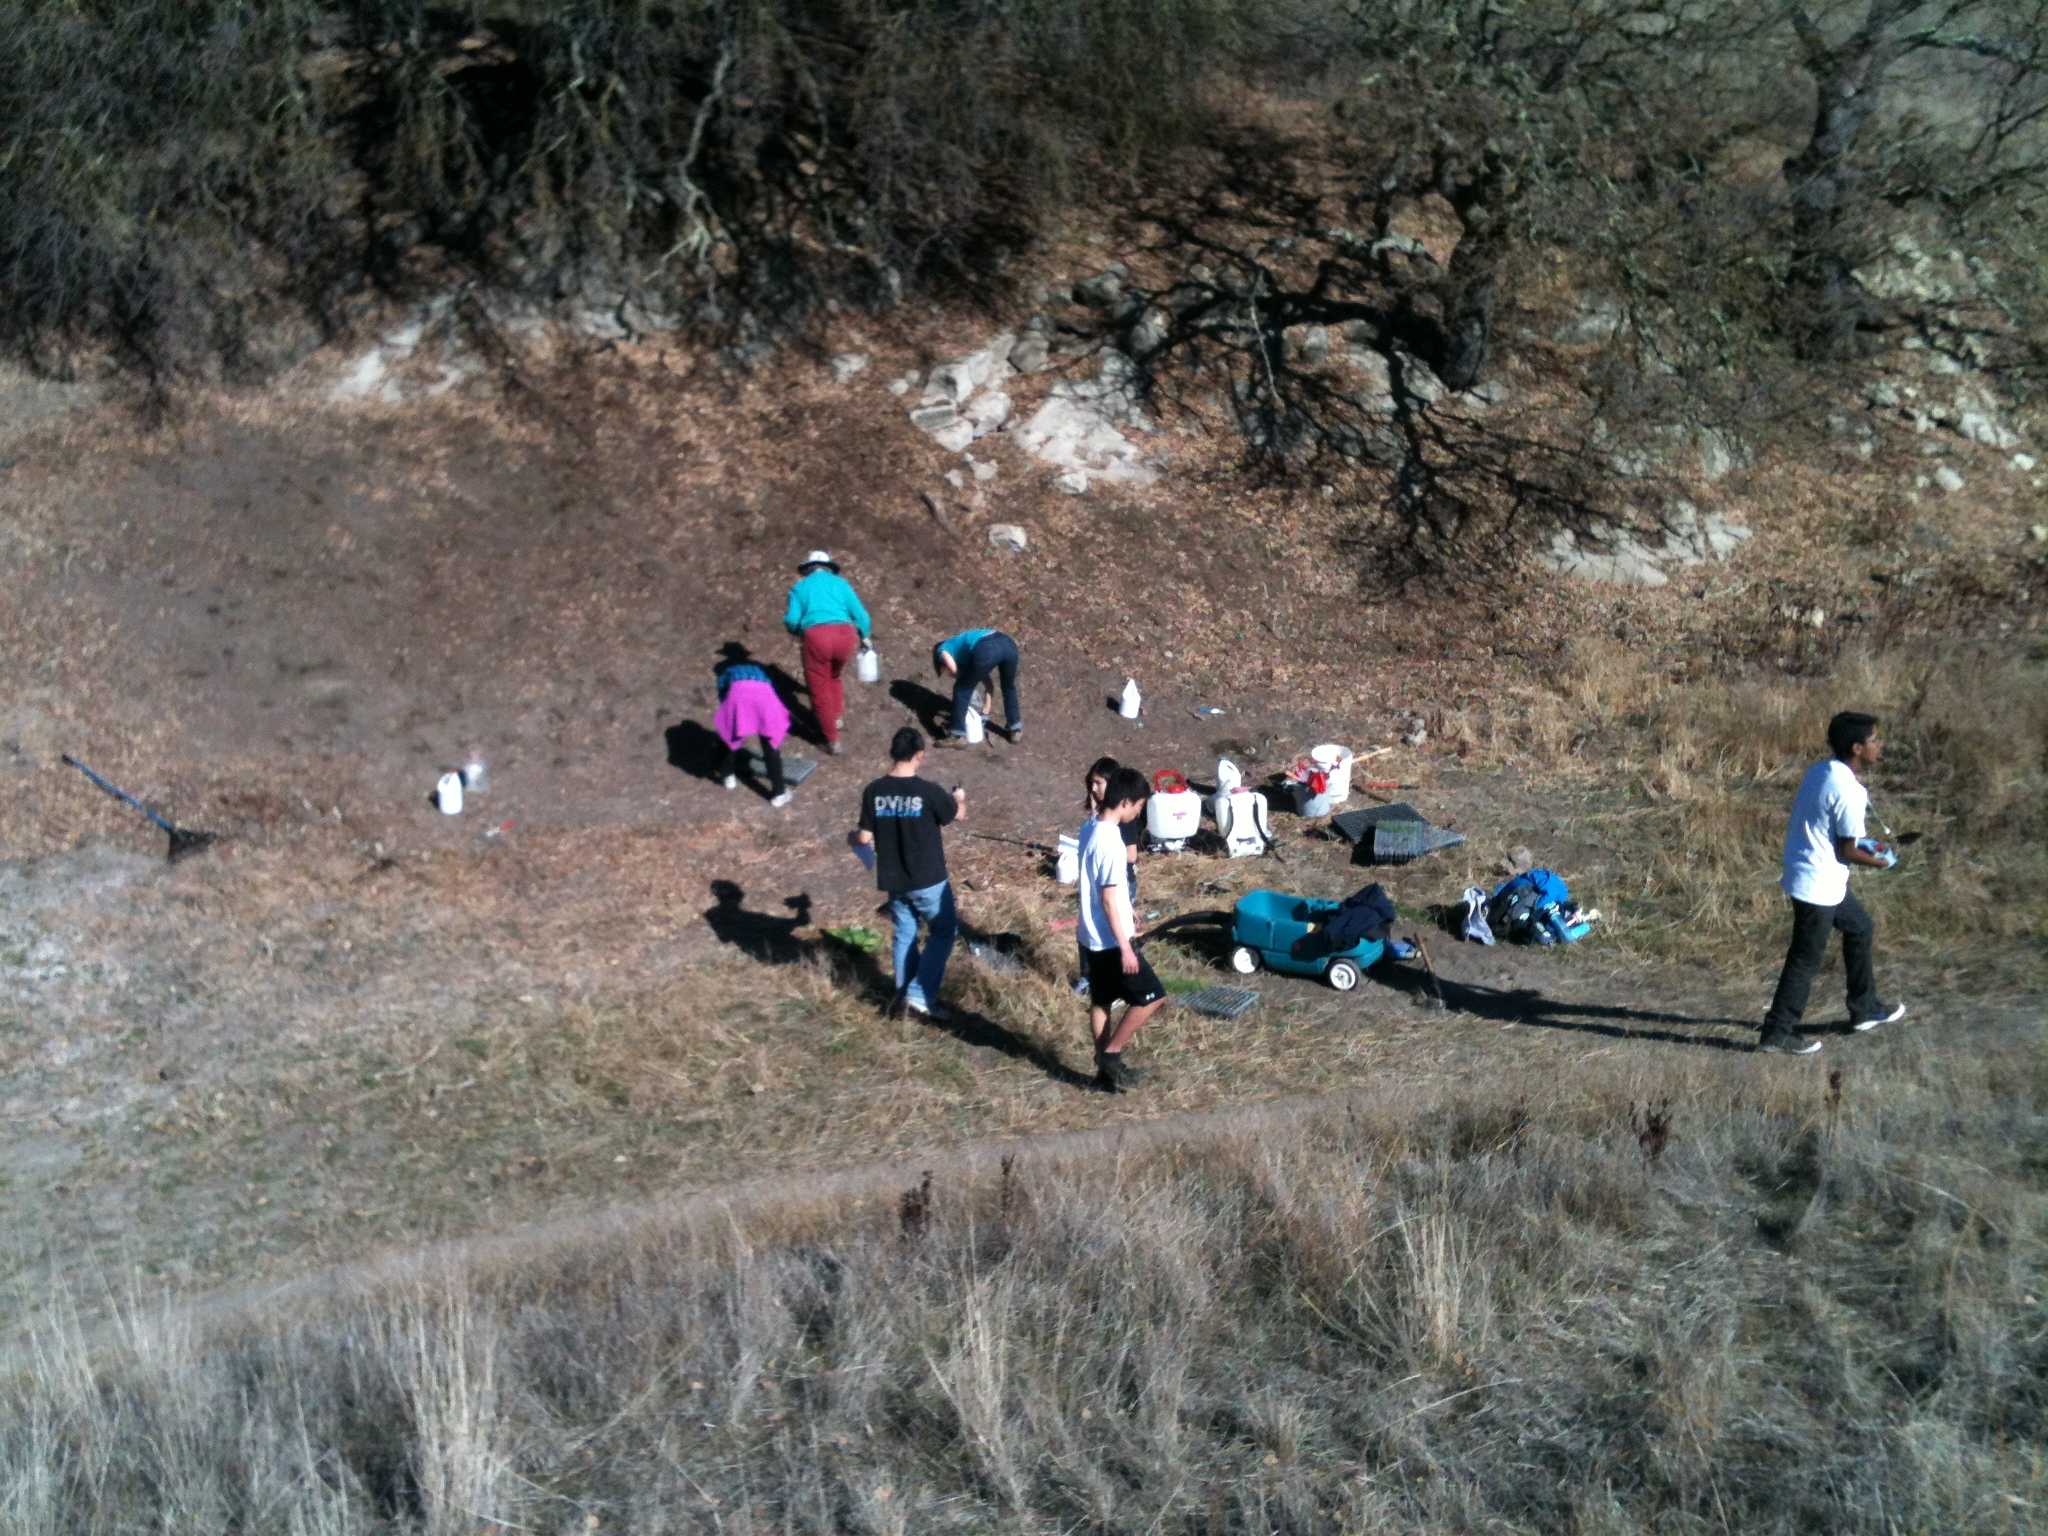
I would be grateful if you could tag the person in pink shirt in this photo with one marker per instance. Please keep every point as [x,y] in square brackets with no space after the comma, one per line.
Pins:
[748,705]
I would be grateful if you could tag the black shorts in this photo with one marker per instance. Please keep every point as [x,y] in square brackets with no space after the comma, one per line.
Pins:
[1107,981]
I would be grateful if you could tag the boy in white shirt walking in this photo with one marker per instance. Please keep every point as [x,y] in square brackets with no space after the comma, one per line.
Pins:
[1821,842]
[1108,928]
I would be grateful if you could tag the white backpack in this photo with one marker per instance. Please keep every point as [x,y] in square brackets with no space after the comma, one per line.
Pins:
[1240,813]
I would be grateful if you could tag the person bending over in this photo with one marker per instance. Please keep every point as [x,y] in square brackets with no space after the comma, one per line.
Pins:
[748,705]
[971,658]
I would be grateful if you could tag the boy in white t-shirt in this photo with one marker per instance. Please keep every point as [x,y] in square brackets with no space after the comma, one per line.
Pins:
[1108,927]
[1821,842]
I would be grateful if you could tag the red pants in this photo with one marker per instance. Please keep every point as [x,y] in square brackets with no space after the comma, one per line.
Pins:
[828,648]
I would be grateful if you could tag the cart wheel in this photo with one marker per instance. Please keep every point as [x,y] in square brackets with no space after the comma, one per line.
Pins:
[1244,961]
[1343,975]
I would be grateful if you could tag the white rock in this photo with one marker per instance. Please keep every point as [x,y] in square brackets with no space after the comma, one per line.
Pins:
[1030,354]
[1717,455]
[900,387]
[1596,321]
[1151,331]
[956,479]
[955,438]
[984,471]
[1375,391]
[1622,560]
[1306,343]
[362,380]
[1948,479]
[1980,427]
[988,410]
[2023,462]
[846,364]
[1074,482]
[1420,383]
[1007,536]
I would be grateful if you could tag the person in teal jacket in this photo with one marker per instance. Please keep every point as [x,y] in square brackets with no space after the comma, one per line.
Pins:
[973,658]
[826,614]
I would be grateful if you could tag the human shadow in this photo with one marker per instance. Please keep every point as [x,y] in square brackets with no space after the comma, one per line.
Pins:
[1001,954]
[984,1033]
[773,940]
[1526,1005]
[694,748]
[763,936]
[934,711]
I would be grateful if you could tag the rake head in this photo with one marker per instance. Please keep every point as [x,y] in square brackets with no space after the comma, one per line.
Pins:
[185,841]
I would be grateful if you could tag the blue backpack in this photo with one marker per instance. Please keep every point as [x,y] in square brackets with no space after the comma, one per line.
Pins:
[1530,908]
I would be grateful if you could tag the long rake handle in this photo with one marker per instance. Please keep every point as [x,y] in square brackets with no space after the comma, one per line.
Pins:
[120,794]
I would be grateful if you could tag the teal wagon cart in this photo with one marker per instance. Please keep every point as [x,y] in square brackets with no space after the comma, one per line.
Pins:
[1282,933]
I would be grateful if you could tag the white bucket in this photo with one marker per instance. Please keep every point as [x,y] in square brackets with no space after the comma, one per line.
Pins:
[867,666]
[448,794]
[1067,861]
[1335,761]
[974,730]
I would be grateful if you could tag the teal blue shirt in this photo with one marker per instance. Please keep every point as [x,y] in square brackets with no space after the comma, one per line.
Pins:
[962,645]
[824,597]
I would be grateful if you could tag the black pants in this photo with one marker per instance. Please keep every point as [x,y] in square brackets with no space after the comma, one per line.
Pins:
[1810,928]
[769,755]
[995,655]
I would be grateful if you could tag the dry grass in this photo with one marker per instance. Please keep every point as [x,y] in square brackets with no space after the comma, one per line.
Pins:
[1696,775]
[1815,1304]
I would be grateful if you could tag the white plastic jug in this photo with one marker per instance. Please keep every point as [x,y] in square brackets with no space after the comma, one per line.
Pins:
[1173,816]
[867,666]
[1128,706]
[974,730]
[1067,862]
[448,794]
[1228,777]
[1335,762]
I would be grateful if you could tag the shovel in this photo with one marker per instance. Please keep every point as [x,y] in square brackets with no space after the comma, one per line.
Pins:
[184,840]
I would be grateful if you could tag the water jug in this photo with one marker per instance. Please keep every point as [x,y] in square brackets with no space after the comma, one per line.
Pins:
[1068,861]
[1173,814]
[448,794]
[1128,705]
[974,731]
[476,776]
[867,666]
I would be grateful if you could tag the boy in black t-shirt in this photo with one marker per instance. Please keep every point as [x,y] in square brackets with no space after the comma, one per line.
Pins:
[900,818]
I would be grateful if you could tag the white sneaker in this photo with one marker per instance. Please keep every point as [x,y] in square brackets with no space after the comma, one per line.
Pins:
[732,781]
[1887,1013]
[924,1010]
[782,799]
